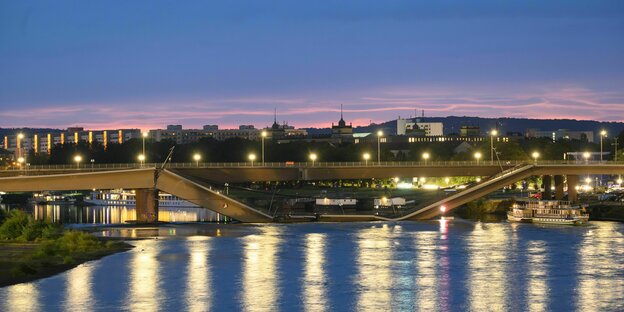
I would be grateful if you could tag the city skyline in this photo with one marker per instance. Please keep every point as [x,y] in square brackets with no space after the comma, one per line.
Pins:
[103,65]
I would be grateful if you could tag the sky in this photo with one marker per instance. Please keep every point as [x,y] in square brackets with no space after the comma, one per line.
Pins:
[146,64]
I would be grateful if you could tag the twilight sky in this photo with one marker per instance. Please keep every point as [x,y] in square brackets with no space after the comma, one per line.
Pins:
[145,64]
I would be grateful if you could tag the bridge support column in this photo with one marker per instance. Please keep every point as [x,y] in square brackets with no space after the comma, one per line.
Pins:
[547,181]
[558,187]
[146,205]
[572,183]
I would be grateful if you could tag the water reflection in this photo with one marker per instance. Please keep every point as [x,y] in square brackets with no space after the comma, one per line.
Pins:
[315,297]
[199,292]
[145,293]
[374,279]
[260,271]
[537,298]
[117,214]
[426,275]
[79,288]
[601,269]
[487,253]
[22,298]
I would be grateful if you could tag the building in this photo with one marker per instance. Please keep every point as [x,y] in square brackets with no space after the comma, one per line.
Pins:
[342,132]
[416,127]
[21,144]
[470,131]
[561,134]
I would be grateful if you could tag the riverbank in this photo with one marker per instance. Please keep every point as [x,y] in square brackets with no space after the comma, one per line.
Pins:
[22,262]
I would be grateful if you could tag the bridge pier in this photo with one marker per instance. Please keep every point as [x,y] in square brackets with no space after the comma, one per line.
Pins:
[547,181]
[572,181]
[558,187]
[146,205]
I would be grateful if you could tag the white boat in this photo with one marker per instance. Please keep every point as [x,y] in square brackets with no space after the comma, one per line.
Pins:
[548,211]
[128,199]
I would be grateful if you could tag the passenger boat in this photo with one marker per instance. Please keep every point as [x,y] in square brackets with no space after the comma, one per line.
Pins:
[548,211]
[128,199]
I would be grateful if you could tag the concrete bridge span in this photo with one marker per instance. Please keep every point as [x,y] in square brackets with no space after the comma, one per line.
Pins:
[187,183]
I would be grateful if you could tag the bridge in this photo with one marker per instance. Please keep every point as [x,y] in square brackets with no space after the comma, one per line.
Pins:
[194,181]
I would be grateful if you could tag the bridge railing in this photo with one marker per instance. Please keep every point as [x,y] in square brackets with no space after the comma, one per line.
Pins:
[505,164]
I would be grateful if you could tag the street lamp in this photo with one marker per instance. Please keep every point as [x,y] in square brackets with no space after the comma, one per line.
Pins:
[313,158]
[477,156]
[535,155]
[619,181]
[379,135]
[263,135]
[366,157]
[425,156]
[493,133]
[20,161]
[251,158]
[18,143]
[141,158]
[77,159]
[603,134]
[586,156]
[197,157]
[144,135]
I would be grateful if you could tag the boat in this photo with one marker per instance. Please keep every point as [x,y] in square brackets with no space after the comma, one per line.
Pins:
[54,199]
[548,212]
[128,199]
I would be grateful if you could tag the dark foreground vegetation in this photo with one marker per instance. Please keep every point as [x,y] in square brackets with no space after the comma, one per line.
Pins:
[33,249]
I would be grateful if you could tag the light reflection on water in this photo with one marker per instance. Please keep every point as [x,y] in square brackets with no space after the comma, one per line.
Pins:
[79,294]
[408,266]
[314,276]
[260,291]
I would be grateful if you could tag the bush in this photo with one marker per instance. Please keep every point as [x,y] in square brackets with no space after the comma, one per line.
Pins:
[14,225]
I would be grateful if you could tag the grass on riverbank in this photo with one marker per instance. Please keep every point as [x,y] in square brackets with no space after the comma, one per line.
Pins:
[33,249]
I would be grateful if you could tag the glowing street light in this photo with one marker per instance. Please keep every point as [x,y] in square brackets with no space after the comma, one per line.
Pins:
[619,181]
[313,158]
[535,155]
[20,161]
[196,158]
[141,158]
[493,133]
[252,158]
[588,180]
[586,156]
[477,156]
[77,159]
[366,157]
[603,134]
[263,135]
[425,156]
[20,137]
[379,135]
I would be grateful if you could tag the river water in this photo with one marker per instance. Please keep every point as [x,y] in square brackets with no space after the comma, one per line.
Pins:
[405,266]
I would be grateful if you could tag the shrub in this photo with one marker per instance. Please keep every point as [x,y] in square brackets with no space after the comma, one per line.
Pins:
[14,225]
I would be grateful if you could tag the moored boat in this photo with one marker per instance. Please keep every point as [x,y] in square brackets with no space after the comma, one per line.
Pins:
[549,212]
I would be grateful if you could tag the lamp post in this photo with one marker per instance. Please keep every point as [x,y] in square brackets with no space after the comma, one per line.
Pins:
[366,157]
[493,133]
[197,157]
[77,159]
[313,158]
[251,158]
[20,161]
[535,155]
[379,135]
[141,158]
[603,134]
[144,135]
[425,156]
[263,135]
[477,156]
[18,144]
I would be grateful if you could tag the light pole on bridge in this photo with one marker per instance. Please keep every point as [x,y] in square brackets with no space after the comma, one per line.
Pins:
[603,134]
[493,133]
[263,135]
[379,135]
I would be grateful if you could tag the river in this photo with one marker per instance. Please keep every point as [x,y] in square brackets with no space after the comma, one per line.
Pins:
[405,266]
